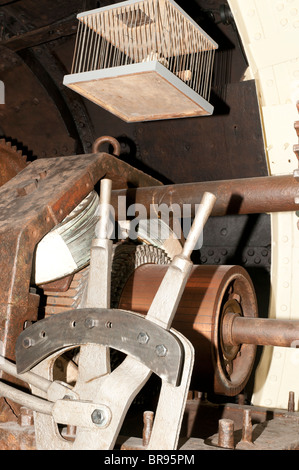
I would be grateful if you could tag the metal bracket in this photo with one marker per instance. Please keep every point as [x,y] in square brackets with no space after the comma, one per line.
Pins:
[124,331]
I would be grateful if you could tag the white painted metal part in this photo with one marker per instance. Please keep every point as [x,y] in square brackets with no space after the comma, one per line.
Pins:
[269,30]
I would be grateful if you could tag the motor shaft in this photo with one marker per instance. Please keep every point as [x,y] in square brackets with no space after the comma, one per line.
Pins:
[238,196]
[259,331]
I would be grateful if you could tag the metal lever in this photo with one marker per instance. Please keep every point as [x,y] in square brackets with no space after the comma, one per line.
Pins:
[165,303]
[98,290]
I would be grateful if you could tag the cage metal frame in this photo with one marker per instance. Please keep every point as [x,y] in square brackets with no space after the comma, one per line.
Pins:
[138,36]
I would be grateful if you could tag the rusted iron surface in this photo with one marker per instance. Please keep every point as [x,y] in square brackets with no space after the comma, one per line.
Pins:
[12,161]
[239,196]
[17,432]
[246,428]
[31,204]
[16,437]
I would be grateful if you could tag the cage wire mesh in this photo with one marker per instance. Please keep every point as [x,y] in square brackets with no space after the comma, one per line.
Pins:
[139,32]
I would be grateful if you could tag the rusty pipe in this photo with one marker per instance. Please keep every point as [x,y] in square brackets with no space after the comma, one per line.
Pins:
[239,196]
[238,330]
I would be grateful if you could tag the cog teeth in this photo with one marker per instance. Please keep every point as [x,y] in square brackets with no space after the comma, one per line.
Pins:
[9,146]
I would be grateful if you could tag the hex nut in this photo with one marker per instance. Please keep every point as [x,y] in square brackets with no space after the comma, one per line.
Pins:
[99,417]
[161,350]
[28,342]
[143,338]
[90,322]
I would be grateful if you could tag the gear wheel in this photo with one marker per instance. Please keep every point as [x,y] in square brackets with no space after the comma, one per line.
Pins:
[12,161]
[126,258]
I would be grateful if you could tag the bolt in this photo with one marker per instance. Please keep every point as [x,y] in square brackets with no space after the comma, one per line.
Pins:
[247,427]
[143,338]
[291,402]
[226,434]
[28,342]
[26,417]
[148,418]
[68,397]
[161,350]
[90,323]
[99,417]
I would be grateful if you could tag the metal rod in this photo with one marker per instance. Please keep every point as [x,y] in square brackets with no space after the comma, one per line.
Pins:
[201,217]
[238,196]
[148,419]
[105,195]
[247,427]
[261,331]
[32,379]
[291,402]
[29,401]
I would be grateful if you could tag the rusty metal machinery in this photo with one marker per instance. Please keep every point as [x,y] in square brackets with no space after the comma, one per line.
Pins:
[135,314]
[12,161]
[216,320]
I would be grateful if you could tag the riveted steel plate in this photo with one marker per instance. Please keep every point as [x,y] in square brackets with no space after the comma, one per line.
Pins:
[128,332]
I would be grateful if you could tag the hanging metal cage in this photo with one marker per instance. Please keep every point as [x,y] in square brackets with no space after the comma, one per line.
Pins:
[143,60]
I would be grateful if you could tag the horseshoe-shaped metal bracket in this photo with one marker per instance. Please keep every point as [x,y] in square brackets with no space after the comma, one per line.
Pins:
[124,331]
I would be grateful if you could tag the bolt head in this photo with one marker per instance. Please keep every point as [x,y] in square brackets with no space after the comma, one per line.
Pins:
[28,342]
[143,338]
[99,417]
[161,350]
[90,323]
